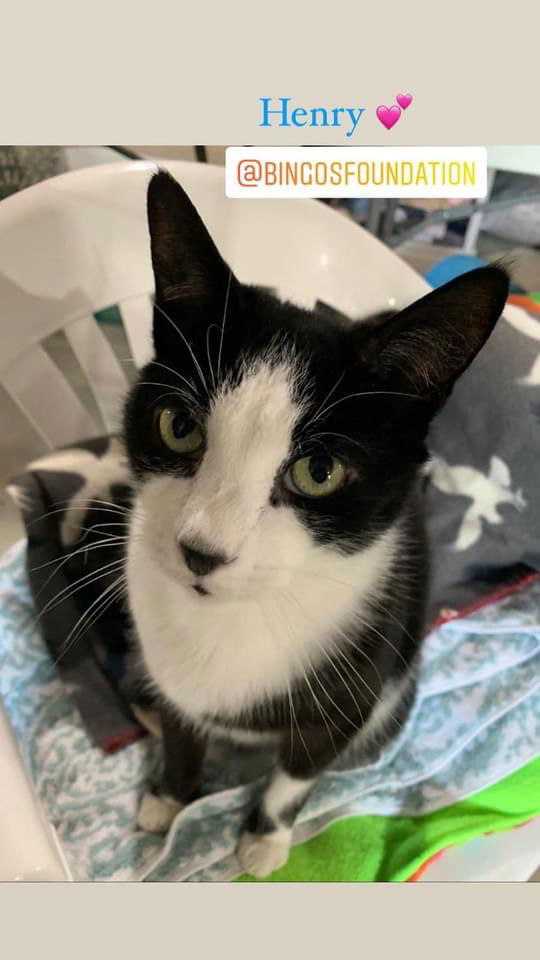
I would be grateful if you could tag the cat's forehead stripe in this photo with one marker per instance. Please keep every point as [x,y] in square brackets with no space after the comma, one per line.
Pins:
[263,397]
[249,433]
[250,424]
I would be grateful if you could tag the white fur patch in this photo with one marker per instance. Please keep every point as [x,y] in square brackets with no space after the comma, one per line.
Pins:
[19,496]
[283,791]
[260,855]
[149,719]
[156,813]
[248,438]
[383,714]
[239,735]
[99,474]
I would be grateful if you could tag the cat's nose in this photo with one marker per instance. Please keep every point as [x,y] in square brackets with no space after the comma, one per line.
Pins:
[201,563]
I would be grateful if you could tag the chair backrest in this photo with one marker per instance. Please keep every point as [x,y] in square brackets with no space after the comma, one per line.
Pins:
[76,245]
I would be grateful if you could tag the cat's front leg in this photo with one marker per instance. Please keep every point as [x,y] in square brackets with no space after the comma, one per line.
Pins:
[265,843]
[183,749]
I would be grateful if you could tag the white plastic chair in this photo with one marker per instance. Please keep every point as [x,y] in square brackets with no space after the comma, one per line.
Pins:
[77,244]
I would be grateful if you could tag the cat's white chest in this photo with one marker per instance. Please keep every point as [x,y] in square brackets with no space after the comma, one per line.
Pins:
[211,657]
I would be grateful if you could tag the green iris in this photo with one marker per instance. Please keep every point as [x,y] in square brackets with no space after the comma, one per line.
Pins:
[317,476]
[179,432]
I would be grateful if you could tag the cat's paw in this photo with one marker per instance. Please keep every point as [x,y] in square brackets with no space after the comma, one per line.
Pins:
[157,812]
[261,854]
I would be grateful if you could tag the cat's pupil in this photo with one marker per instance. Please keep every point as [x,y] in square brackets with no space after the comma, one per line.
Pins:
[182,427]
[320,468]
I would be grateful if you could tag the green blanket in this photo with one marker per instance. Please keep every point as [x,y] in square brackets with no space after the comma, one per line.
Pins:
[375,848]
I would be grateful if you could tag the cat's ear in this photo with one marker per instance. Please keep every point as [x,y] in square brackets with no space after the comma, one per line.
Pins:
[186,262]
[428,345]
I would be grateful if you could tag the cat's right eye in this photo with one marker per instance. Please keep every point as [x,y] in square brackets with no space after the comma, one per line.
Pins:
[179,432]
[316,476]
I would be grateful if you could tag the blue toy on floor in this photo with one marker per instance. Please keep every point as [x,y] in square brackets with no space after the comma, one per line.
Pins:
[453,266]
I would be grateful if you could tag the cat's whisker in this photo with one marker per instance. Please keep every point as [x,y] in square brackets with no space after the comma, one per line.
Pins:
[294,718]
[110,541]
[191,386]
[211,327]
[55,601]
[293,712]
[96,502]
[350,723]
[86,621]
[358,648]
[106,594]
[341,653]
[347,687]
[369,393]
[378,603]
[63,562]
[63,506]
[99,527]
[382,637]
[223,325]
[191,405]
[326,655]
[349,666]
[188,345]
[353,698]
[172,391]
[88,617]
[353,587]
[88,531]
[291,730]
[81,583]
[109,523]
[323,712]
[332,433]
[107,599]
[320,409]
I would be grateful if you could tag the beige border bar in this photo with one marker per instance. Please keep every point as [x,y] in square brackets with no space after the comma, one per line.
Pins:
[124,73]
[391,921]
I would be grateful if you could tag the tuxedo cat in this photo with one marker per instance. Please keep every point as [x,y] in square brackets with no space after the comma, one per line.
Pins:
[277,568]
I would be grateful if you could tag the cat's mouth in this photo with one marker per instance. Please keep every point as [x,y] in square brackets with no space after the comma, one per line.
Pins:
[202,591]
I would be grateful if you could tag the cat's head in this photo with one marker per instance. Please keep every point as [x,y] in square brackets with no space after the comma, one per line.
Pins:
[265,438]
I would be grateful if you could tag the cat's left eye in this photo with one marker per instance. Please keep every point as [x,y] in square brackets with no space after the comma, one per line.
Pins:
[179,432]
[316,476]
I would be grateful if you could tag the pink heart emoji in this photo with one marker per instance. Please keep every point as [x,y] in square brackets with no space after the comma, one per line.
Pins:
[404,99]
[388,116]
